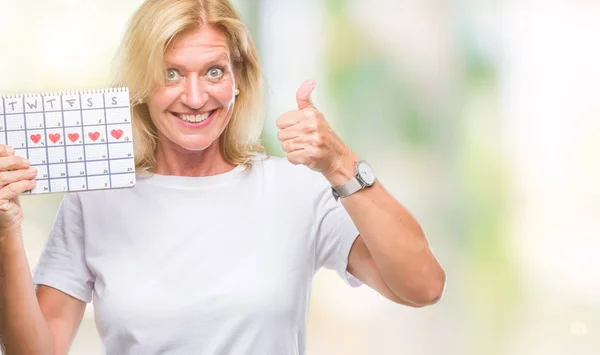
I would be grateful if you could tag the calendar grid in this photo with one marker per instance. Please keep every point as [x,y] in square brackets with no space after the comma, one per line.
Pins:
[87,183]
[91,109]
[91,125]
[78,141]
[106,132]
[85,161]
[94,144]
[4,118]
[20,130]
[62,117]
[125,173]
[45,135]
[25,128]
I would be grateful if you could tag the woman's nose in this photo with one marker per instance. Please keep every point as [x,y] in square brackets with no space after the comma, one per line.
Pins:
[194,95]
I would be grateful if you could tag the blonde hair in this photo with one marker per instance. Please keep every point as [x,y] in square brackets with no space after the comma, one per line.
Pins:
[140,66]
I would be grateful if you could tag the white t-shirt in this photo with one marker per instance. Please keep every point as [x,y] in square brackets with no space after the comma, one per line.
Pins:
[201,265]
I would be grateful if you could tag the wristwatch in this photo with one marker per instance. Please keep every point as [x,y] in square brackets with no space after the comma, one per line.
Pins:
[363,178]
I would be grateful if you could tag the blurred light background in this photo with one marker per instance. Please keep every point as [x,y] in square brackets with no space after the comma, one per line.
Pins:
[482,117]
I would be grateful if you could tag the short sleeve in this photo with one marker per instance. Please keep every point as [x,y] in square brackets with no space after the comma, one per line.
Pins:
[62,264]
[335,233]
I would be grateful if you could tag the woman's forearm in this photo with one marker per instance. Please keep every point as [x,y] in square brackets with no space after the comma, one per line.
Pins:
[23,329]
[397,245]
[394,239]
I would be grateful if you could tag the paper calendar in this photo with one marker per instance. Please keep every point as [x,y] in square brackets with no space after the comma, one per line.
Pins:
[77,140]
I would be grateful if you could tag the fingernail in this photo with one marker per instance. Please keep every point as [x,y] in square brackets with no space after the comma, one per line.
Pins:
[26,162]
[10,149]
[31,170]
[4,206]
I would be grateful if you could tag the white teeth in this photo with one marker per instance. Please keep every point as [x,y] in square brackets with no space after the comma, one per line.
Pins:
[195,118]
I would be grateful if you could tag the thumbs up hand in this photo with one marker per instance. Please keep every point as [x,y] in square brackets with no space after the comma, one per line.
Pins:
[309,140]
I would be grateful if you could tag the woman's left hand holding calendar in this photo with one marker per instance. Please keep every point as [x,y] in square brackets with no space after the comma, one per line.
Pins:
[16,177]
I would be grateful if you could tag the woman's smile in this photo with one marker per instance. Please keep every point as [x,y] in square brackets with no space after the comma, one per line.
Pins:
[195,118]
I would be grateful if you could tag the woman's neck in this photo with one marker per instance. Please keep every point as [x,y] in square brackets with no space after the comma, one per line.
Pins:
[172,159]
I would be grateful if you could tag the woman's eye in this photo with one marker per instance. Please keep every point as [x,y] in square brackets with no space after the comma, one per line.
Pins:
[215,73]
[173,75]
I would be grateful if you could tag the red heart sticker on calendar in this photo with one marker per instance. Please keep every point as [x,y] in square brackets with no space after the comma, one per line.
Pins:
[35,138]
[94,135]
[117,133]
[73,136]
[54,137]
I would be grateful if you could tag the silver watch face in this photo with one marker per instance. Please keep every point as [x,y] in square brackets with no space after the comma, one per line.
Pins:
[364,171]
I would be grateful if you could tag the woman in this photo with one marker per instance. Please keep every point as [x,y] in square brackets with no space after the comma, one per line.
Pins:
[213,251]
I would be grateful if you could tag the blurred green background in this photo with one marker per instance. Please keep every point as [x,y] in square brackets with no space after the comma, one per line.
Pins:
[482,117]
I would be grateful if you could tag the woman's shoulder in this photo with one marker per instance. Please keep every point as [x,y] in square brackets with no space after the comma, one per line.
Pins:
[280,171]
[281,166]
